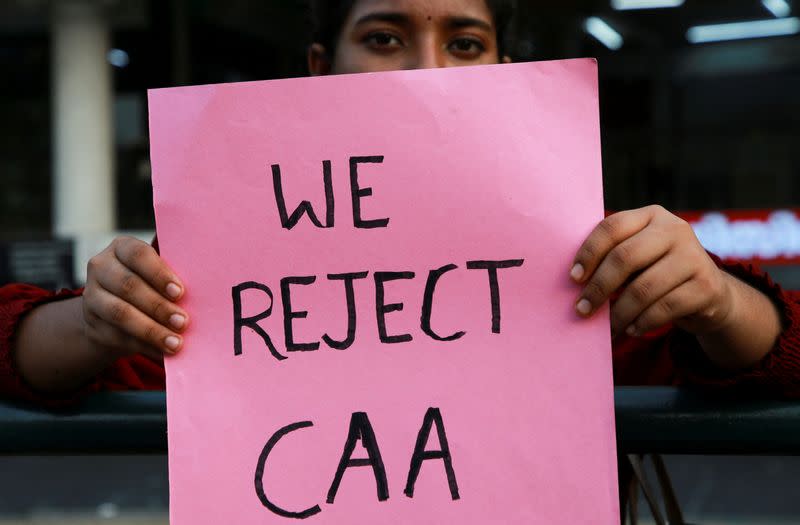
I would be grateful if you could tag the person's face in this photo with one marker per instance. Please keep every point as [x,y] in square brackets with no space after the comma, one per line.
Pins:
[384,35]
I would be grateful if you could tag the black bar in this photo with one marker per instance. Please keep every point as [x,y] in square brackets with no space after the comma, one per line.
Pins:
[106,423]
[673,421]
[649,419]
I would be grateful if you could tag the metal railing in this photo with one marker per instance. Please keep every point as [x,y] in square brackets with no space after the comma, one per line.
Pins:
[649,419]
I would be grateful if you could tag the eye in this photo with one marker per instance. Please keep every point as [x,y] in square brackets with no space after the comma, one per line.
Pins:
[466,47]
[382,41]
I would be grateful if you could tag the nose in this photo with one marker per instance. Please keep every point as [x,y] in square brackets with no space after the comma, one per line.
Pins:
[429,54]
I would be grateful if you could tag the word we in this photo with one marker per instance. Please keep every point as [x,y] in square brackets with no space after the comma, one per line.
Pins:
[356,194]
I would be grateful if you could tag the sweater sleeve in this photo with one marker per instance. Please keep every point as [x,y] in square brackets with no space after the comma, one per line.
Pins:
[776,375]
[16,300]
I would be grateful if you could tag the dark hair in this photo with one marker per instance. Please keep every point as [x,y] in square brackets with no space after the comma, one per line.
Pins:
[328,17]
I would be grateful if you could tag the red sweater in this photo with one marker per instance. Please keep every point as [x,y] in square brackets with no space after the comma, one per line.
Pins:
[666,357]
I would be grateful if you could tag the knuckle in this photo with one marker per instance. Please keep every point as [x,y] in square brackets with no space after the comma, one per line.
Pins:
[130,249]
[138,252]
[682,227]
[150,333]
[129,283]
[683,223]
[657,209]
[689,232]
[640,291]
[159,309]
[161,275]
[667,307]
[119,244]
[123,240]
[620,257]
[704,282]
[94,264]
[609,226]
[595,289]
[589,251]
[709,286]
[119,313]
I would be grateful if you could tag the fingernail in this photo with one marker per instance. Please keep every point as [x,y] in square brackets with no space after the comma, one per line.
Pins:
[584,307]
[173,290]
[577,272]
[177,321]
[172,342]
[632,331]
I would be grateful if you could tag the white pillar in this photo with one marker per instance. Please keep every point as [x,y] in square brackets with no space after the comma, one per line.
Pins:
[83,155]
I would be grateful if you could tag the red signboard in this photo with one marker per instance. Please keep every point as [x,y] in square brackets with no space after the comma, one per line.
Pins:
[763,236]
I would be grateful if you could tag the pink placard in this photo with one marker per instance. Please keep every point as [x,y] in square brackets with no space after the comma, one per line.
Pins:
[409,354]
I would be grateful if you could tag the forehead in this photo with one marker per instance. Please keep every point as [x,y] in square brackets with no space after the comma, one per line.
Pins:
[424,8]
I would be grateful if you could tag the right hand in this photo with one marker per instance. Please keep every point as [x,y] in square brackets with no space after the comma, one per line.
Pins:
[129,302]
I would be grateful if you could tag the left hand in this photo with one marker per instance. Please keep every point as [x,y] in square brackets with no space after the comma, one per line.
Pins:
[663,273]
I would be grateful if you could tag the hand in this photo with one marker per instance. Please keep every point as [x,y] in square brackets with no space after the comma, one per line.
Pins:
[129,301]
[663,274]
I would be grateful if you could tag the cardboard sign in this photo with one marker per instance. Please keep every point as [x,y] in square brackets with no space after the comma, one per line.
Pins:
[382,323]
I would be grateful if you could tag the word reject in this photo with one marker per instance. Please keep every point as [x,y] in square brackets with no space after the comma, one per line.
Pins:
[380,278]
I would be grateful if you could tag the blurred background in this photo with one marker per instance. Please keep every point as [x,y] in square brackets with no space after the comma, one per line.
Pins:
[700,110]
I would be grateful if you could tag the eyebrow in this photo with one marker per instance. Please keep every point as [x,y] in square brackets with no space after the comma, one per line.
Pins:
[459,22]
[390,17]
[453,22]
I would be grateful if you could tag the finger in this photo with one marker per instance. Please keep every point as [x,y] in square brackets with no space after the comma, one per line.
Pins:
[625,259]
[142,259]
[126,317]
[655,282]
[124,283]
[680,302]
[610,232]
[108,336]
